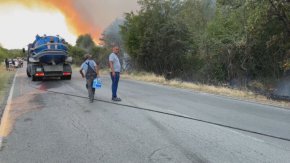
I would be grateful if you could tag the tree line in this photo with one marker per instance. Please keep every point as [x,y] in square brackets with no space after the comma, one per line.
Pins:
[84,45]
[10,54]
[210,41]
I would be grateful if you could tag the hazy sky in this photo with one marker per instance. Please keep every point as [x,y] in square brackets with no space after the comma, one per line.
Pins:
[21,20]
[18,26]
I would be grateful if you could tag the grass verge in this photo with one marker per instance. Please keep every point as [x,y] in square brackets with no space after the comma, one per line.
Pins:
[5,77]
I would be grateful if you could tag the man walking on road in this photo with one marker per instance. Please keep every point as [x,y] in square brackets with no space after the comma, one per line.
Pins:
[91,72]
[115,67]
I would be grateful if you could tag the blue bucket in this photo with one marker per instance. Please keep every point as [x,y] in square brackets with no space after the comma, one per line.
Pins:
[97,84]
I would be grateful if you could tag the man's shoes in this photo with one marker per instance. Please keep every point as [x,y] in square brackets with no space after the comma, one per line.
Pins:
[116,99]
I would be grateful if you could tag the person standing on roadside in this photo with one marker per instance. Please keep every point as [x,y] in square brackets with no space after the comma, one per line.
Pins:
[115,68]
[7,64]
[91,72]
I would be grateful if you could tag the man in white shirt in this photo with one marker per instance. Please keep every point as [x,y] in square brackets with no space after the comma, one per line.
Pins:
[115,67]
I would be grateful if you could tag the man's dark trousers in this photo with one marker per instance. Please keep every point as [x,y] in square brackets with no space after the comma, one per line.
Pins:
[115,81]
[90,88]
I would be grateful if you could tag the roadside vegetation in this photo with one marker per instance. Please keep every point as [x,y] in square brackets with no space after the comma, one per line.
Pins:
[6,76]
[215,42]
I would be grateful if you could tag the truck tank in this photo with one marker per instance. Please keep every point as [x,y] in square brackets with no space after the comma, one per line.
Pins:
[48,57]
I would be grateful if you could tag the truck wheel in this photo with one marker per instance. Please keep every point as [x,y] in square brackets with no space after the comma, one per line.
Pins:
[28,74]
[34,78]
[68,78]
[65,77]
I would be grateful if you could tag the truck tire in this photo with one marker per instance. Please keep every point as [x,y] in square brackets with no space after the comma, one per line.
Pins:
[28,74]
[68,77]
[34,78]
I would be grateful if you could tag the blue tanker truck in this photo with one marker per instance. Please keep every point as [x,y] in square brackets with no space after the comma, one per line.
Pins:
[48,57]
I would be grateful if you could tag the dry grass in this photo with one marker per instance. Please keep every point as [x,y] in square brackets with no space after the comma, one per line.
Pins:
[224,91]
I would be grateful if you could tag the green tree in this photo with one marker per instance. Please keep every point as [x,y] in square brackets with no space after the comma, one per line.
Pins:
[85,42]
[226,38]
[77,54]
[156,38]
[248,39]
[268,36]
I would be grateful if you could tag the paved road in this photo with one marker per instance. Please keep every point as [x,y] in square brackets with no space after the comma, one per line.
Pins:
[41,126]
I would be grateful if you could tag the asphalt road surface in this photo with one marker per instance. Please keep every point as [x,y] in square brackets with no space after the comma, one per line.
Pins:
[41,125]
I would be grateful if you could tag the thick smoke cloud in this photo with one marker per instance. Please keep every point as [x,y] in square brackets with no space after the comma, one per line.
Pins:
[103,12]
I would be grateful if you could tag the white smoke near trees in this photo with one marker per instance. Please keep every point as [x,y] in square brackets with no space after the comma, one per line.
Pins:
[101,13]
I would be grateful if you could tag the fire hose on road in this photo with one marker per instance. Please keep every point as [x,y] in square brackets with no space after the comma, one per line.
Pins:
[172,114]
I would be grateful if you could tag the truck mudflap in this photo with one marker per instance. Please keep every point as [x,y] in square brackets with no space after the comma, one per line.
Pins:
[67,72]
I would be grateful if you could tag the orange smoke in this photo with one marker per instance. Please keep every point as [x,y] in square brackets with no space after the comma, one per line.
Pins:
[78,25]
